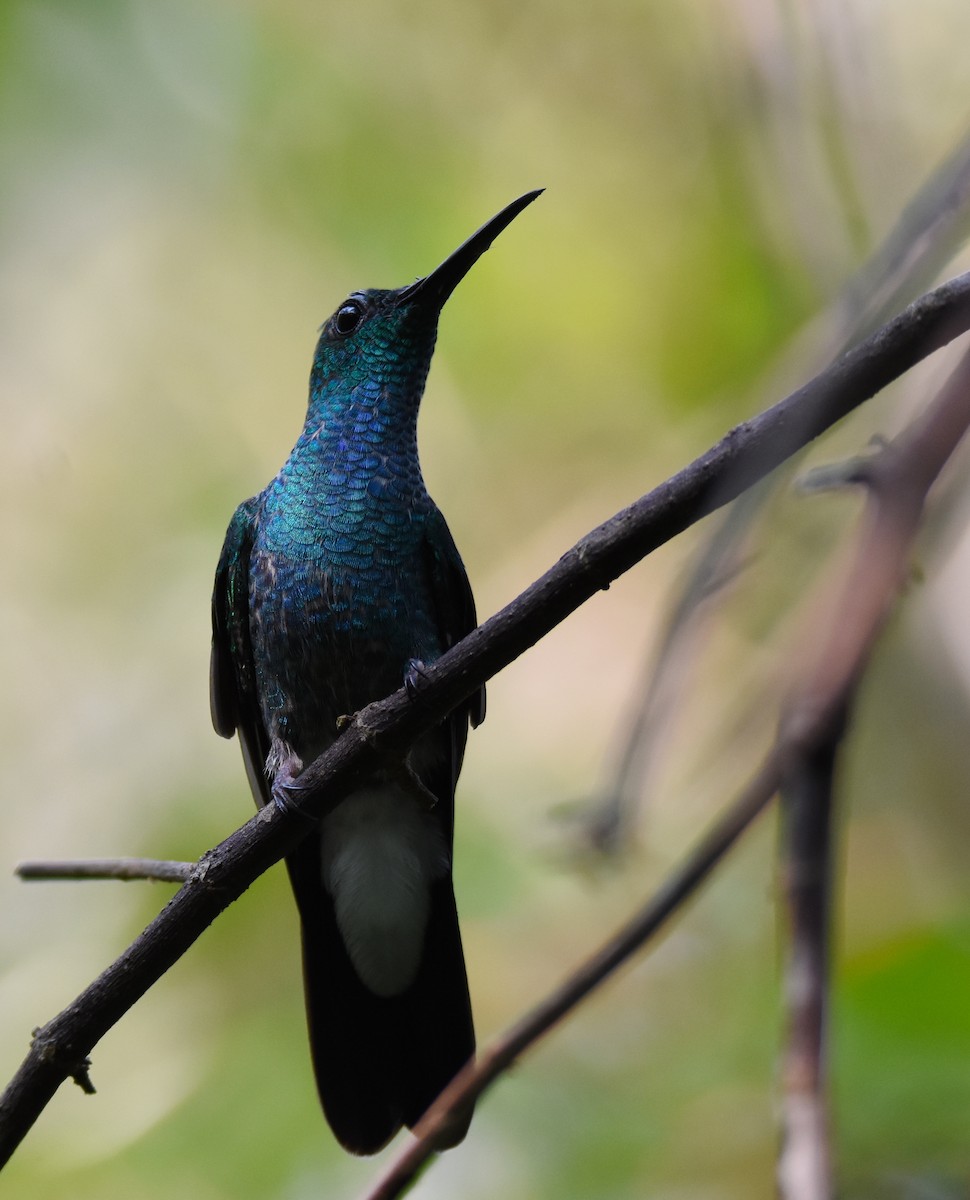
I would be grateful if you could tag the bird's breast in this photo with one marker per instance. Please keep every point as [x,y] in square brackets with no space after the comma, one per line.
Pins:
[338,607]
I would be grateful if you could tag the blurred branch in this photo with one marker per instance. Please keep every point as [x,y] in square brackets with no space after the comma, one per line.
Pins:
[923,240]
[606,820]
[805,1166]
[383,732]
[163,870]
[931,228]
[496,1058]
[898,480]
[853,616]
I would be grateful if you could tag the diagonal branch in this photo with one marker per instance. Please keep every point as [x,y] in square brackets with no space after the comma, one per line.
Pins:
[386,729]
[745,455]
[853,615]
[501,1054]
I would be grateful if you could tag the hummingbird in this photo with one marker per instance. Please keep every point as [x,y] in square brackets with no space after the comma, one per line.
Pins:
[336,585]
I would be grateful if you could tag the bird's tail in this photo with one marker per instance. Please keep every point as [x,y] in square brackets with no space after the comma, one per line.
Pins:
[381,1061]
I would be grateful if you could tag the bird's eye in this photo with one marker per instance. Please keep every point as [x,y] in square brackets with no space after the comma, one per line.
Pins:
[347,317]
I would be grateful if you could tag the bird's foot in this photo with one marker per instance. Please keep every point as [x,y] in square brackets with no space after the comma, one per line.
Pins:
[285,790]
[415,676]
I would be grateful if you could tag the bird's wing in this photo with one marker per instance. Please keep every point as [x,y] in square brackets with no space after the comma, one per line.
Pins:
[452,596]
[232,680]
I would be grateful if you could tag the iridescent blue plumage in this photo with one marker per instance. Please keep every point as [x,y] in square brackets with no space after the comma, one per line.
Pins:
[335,583]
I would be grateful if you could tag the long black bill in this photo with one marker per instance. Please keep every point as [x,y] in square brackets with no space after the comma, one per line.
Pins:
[444,279]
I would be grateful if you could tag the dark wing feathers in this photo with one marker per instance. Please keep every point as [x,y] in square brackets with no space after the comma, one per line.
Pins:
[452,595]
[232,683]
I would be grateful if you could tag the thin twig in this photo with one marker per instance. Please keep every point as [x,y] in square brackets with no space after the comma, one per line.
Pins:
[163,870]
[385,730]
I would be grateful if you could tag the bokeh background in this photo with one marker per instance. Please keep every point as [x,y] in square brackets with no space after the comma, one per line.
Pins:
[187,191]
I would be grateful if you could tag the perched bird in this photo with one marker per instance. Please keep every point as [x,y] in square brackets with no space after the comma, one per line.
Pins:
[335,584]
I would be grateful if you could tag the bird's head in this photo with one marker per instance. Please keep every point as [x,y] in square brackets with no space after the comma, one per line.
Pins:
[379,343]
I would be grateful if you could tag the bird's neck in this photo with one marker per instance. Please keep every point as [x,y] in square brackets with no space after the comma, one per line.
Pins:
[346,429]
[356,457]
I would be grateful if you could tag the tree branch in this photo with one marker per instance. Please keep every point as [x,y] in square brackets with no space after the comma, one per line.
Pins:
[162,870]
[385,730]
[745,455]
[858,605]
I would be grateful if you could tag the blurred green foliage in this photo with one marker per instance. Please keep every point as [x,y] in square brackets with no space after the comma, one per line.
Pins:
[188,191]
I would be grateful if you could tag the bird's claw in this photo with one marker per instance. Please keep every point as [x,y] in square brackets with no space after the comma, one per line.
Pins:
[284,791]
[415,676]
